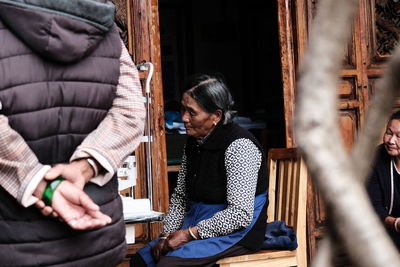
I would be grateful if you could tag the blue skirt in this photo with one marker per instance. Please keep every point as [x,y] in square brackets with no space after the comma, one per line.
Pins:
[210,246]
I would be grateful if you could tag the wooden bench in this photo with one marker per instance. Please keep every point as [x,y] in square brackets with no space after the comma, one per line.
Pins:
[287,195]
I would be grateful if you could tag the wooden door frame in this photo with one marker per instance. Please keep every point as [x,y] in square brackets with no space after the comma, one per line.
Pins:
[292,44]
[144,45]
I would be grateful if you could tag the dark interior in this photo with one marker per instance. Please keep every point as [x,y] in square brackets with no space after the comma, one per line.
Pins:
[238,39]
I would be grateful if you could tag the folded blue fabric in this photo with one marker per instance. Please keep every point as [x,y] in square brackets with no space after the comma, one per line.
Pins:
[173,121]
[172,116]
[279,236]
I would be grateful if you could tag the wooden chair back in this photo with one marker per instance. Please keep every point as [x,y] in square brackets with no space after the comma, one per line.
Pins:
[287,194]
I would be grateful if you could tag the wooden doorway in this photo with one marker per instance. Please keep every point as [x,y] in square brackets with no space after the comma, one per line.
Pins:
[237,40]
[208,36]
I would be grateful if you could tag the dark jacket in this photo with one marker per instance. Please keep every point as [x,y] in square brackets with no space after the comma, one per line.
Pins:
[59,67]
[379,188]
[379,184]
[206,178]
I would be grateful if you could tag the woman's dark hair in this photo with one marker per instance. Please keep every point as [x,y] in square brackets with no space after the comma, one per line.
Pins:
[395,116]
[211,93]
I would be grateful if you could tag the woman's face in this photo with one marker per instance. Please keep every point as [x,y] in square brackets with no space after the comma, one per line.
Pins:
[391,138]
[198,122]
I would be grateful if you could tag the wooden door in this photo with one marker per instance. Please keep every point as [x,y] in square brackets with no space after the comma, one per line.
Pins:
[140,31]
[375,32]
[381,21]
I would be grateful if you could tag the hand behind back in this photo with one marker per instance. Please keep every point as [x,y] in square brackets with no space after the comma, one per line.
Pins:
[77,172]
[75,207]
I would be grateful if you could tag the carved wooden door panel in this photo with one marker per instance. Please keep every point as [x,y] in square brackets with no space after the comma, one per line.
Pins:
[375,32]
[139,24]
[294,19]
[382,24]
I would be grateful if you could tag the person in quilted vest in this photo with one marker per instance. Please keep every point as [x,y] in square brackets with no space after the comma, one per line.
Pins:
[71,111]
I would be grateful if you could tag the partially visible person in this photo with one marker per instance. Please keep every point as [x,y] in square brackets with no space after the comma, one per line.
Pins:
[218,208]
[384,182]
[71,106]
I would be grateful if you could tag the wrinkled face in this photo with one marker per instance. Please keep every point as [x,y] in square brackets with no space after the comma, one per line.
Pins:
[198,122]
[391,138]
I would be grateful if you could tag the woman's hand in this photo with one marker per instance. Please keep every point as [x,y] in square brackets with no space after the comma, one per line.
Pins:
[177,239]
[159,248]
[396,224]
[393,223]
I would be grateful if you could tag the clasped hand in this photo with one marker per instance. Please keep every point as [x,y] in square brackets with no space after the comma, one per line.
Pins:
[173,241]
[77,172]
[70,203]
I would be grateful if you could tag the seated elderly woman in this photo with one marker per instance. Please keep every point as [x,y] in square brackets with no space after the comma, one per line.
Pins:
[218,208]
[384,182]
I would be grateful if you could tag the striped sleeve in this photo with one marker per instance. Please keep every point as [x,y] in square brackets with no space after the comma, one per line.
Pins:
[20,170]
[119,134]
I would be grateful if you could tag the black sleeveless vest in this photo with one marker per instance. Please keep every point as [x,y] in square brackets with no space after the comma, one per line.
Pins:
[206,179]
[53,97]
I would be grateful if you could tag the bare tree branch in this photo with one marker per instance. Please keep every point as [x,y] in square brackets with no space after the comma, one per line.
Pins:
[325,253]
[318,136]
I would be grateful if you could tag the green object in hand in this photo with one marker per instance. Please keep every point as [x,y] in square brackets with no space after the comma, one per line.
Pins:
[50,188]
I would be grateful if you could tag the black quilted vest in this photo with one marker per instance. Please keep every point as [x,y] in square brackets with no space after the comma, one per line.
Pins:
[206,174]
[54,105]
[54,93]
